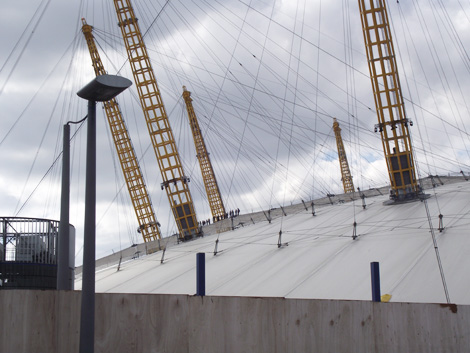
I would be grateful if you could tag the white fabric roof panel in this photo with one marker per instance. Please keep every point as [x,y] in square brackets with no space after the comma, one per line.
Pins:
[319,258]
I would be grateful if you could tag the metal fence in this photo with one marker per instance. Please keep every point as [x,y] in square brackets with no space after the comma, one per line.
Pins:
[28,252]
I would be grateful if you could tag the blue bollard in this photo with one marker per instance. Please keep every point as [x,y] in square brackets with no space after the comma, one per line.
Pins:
[375,279]
[201,274]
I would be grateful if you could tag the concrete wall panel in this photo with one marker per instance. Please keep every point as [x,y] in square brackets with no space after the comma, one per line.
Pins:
[49,321]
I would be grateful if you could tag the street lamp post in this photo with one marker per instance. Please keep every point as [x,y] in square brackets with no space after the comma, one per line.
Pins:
[101,89]
[63,259]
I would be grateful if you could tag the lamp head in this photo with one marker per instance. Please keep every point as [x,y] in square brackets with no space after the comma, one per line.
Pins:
[104,88]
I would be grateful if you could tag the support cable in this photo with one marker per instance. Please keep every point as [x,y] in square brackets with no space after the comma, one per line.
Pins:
[37,92]
[418,170]
[436,249]
[51,167]
[293,111]
[443,77]
[26,44]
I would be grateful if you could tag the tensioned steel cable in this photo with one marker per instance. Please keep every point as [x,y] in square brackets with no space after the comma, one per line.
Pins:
[428,214]
[26,43]
[52,165]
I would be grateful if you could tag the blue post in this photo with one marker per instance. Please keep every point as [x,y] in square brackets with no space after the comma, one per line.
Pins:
[375,278]
[201,274]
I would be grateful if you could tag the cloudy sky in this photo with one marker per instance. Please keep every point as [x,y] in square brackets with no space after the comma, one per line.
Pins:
[267,78]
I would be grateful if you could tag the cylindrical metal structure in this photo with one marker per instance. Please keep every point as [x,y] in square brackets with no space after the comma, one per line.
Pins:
[29,253]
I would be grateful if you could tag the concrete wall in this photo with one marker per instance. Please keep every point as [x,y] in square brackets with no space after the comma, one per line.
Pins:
[49,321]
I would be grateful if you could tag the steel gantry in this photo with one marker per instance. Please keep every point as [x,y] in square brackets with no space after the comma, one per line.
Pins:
[174,180]
[210,182]
[343,161]
[148,224]
[393,124]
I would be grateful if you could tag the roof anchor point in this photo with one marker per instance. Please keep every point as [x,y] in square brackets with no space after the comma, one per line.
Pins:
[441,223]
[354,236]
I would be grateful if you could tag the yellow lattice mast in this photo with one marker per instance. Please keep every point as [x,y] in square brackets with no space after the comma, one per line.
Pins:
[393,123]
[210,182]
[148,225]
[343,161]
[174,181]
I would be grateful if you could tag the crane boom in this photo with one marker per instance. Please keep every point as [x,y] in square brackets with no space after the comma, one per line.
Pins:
[393,123]
[210,182]
[148,225]
[343,161]
[174,180]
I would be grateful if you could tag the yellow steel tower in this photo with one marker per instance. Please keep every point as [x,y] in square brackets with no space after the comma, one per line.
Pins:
[393,123]
[148,225]
[210,183]
[343,161]
[174,181]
